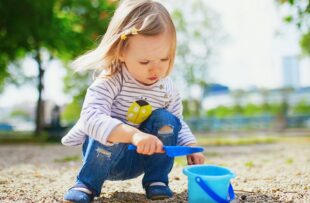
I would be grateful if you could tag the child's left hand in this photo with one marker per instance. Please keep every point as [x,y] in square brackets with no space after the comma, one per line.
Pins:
[197,158]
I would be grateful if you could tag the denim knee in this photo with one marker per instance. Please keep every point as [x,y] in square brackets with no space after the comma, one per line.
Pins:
[157,120]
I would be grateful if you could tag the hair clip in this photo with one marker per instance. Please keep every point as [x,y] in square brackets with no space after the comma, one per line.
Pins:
[123,36]
[132,31]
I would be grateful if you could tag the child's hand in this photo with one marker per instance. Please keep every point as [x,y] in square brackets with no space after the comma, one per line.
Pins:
[147,144]
[197,158]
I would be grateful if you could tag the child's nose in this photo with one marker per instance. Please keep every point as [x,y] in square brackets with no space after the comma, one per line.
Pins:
[155,68]
[154,71]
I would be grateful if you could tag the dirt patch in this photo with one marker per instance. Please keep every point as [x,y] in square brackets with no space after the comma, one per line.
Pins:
[265,173]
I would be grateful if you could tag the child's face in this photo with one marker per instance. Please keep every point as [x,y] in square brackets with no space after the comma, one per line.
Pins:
[147,58]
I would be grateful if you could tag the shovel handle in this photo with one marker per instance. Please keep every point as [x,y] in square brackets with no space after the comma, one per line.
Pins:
[132,147]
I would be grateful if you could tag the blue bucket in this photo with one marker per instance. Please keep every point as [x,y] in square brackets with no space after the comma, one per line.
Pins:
[209,183]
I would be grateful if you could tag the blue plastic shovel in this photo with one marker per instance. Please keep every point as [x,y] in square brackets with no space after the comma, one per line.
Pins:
[173,151]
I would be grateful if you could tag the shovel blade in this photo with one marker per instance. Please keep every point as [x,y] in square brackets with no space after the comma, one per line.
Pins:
[173,151]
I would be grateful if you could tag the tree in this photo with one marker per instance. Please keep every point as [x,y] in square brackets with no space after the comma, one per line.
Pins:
[282,115]
[300,16]
[238,96]
[61,28]
[265,94]
[198,32]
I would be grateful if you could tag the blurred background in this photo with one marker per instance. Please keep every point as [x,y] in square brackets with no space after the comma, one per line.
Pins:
[242,66]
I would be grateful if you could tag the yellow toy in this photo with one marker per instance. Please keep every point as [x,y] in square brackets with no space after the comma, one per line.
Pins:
[139,111]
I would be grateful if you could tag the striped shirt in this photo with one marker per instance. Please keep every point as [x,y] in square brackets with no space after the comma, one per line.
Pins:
[107,102]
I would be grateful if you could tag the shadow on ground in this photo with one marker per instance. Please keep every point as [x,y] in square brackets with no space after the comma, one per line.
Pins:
[254,197]
[129,197]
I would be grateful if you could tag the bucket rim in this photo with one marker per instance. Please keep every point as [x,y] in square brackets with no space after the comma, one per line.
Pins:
[187,172]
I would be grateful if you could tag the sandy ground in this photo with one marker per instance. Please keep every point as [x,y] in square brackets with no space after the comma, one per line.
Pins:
[265,173]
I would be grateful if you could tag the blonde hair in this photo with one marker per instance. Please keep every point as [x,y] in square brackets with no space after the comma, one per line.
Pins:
[148,17]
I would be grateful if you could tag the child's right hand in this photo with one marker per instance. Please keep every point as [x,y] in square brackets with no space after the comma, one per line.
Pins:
[147,144]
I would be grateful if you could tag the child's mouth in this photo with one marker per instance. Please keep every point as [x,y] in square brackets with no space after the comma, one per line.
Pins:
[153,78]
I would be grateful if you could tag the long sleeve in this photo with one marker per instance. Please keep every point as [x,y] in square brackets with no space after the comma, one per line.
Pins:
[95,119]
[185,137]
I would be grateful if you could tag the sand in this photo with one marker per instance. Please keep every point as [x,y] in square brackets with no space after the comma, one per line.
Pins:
[265,173]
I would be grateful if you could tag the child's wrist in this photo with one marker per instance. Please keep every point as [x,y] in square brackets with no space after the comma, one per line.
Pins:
[133,136]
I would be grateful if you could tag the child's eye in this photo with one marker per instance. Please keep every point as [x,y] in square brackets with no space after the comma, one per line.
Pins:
[144,62]
[165,59]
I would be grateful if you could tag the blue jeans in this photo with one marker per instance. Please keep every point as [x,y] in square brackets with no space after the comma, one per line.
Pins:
[116,162]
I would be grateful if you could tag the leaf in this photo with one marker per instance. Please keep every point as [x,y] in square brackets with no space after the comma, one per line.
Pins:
[291,2]
[288,19]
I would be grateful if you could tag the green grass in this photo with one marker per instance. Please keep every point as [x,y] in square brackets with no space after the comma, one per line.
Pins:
[22,138]
[180,161]
[68,159]
[289,161]
[231,141]
[249,164]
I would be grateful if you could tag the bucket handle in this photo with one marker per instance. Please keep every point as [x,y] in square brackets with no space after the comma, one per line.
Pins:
[212,194]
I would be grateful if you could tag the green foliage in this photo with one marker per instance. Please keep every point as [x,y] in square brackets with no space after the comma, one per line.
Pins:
[220,112]
[71,112]
[3,74]
[257,110]
[288,19]
[202,30]
[291,1]
[305,43]
[253,110]
[275,109]
[77,83]
[302,108]
[186,110]
[300,16]
[20,114]
[82,22]
[61,28]
[65,28]
[191,108]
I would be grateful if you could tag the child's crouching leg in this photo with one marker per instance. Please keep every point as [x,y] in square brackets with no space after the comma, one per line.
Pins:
[97,163]
[166,127]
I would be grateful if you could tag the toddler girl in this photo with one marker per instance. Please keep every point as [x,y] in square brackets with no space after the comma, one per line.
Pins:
[133,101]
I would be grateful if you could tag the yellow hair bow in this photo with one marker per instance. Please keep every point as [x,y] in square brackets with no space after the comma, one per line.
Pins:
[123,37]
[132,31]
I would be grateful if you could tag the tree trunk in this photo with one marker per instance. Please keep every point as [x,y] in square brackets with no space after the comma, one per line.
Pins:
[40,104]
